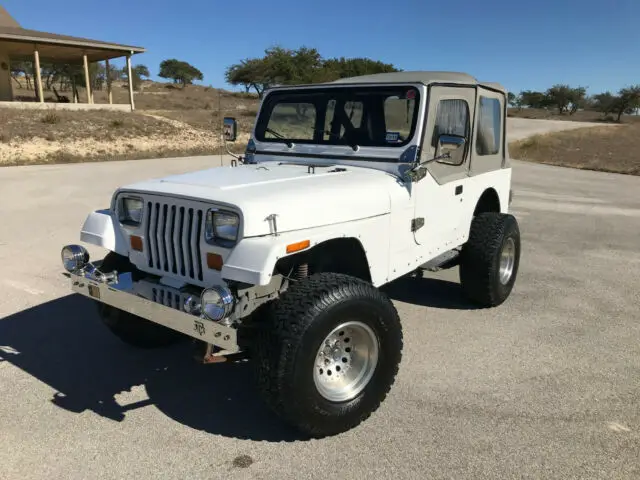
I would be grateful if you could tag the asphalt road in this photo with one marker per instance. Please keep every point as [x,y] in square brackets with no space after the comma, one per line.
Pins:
[545,386]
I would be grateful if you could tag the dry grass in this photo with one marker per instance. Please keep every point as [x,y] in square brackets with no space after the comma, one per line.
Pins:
[24,125]
[168,121]
[603,149]
[581,116]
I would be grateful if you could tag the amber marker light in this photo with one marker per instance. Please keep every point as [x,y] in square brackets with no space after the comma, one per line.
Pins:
[296,247]
[214,261]
[136,243]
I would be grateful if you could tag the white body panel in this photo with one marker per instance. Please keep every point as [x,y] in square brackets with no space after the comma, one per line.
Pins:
[299,199]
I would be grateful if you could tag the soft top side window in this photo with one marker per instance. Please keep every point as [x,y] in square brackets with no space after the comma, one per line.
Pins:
[489,123]
[452,118]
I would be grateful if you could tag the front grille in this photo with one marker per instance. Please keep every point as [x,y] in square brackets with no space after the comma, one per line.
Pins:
[172,239]
[166,297]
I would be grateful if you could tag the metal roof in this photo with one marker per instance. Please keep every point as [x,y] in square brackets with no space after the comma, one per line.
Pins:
[7,20]
[424,77]
[19,42]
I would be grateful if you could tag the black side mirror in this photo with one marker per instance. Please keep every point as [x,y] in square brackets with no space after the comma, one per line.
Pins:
[451,148]
[230,129]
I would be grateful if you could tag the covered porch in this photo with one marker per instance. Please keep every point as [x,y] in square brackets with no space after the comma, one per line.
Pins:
[76,54]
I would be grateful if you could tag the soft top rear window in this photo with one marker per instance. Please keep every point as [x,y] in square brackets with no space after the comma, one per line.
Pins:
[381,116]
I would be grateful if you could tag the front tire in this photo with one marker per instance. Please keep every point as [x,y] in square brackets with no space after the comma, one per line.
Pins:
[490,259]
[329,354]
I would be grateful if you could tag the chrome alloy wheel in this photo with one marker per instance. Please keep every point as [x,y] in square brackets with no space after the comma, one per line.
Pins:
[345,361]
[507,261]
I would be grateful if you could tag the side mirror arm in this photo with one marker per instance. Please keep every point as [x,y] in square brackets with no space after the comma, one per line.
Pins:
[226,147]
[419,171]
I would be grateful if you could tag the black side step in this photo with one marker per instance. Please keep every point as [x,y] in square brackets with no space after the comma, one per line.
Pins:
[443,261]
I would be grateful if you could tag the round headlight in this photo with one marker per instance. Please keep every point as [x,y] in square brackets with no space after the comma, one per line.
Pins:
[74,257]
[217,303]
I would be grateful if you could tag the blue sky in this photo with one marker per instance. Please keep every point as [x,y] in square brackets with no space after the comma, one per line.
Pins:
[521,44]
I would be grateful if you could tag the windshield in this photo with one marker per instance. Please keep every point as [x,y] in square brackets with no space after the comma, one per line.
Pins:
[356,116]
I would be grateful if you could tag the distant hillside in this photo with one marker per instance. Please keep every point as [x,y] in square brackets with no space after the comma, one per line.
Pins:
[168,121]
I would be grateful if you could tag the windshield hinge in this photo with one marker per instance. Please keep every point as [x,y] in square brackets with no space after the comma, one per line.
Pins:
[417,224]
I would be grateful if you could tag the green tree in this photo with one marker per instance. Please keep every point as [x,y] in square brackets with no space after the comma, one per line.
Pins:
[21,69]
[577,99]
[514,100]
[559,97]
[182,73]
[280,66]
[604,102]
[627,101]
[249,73]
[141,71]
[335,68]
[565,98]
[533,99]
[137,72]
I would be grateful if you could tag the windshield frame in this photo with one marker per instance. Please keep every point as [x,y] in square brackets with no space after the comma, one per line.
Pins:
[346,92]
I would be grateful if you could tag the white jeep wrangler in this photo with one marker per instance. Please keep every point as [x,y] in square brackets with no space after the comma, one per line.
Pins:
[344,187]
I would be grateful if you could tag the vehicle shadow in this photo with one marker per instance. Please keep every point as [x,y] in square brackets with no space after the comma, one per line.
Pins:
[64,344]
[428,292]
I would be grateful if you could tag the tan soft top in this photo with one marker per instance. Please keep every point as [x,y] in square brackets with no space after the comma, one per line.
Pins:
[424,77]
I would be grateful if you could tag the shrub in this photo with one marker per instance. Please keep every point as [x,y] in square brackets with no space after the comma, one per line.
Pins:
[50,118]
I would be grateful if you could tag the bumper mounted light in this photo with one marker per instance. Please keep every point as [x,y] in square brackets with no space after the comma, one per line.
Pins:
[217,303]
[74,257]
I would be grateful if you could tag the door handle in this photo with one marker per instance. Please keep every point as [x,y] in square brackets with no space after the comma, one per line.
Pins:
[458,189]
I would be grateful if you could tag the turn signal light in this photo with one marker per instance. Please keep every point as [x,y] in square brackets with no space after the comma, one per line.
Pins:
[296,247]
[214,261]
[136,242]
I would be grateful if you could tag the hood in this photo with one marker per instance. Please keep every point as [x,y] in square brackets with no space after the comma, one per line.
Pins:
[300,196]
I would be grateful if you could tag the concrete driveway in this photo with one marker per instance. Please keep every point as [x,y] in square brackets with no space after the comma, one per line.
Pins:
[545,386]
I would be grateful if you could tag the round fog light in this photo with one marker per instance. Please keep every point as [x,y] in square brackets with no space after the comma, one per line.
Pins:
[74,257]
[217,303]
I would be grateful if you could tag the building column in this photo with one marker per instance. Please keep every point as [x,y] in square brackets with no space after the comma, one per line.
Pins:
[36,58]
[130,78]
[87,79]
[107,69]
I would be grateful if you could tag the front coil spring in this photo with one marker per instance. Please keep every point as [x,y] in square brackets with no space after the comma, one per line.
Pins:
[302,271]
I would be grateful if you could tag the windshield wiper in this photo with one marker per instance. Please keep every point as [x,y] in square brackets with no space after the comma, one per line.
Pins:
[279,136]
[326,132]
[354,146]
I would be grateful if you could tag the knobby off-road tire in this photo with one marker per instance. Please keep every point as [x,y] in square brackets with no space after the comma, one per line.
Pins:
[490,259]
[295,376]
[129,328]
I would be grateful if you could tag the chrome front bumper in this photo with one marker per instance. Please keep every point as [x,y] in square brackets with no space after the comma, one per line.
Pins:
[127,295]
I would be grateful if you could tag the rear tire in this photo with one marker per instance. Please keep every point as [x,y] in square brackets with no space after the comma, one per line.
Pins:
[490,259]
[329,354]
[131,329]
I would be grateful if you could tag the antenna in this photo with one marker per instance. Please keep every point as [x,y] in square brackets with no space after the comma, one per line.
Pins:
[221,121]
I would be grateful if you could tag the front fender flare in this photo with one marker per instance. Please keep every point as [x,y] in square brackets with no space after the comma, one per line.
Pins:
[253,259]
[101,228]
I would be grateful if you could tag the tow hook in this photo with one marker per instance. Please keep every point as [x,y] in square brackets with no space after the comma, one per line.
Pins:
[206,353]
